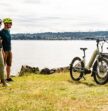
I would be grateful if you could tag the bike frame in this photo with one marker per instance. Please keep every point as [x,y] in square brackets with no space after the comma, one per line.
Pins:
[96,54]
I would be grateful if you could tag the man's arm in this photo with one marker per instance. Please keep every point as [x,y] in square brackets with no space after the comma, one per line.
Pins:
[0,42]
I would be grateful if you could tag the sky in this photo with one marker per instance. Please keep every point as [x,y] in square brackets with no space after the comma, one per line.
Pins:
[33,16]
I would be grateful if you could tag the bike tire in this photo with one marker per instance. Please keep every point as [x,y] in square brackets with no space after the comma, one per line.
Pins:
[98,75]
[74,73]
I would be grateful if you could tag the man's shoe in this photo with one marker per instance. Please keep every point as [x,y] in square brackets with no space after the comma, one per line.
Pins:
[87,71]
[4,83]
[9,80]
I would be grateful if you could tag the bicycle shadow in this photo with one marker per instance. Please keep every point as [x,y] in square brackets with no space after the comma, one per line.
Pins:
[82,82]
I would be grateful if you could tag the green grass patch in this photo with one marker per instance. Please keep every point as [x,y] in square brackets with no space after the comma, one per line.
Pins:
[56,92]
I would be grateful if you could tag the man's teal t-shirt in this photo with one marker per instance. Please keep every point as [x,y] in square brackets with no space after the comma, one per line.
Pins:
[6,37]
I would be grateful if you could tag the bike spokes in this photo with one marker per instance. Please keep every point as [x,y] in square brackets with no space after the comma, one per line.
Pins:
[76,69]
[100,71]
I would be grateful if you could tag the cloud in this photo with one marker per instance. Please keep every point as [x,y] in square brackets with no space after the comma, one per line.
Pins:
[32,1]
[55,15]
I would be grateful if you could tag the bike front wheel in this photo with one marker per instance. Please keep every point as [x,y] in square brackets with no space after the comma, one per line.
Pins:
[76,69]
[100,71]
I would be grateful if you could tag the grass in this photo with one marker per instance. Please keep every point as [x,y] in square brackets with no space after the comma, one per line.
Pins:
[56,92]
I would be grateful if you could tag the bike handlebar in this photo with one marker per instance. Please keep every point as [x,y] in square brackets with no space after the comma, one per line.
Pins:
[98,40]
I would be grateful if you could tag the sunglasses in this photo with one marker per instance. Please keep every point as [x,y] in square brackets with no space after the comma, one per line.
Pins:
[10,23]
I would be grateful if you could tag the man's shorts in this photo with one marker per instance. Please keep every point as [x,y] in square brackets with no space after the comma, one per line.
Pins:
[8,58]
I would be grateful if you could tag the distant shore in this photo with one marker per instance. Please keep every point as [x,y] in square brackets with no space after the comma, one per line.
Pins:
[61,36]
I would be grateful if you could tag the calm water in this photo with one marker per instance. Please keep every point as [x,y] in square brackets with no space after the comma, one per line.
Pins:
[51,54]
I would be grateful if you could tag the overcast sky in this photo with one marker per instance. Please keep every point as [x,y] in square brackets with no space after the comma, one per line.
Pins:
[31,16]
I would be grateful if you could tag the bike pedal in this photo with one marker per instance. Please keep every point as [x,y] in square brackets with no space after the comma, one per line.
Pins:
[87,71]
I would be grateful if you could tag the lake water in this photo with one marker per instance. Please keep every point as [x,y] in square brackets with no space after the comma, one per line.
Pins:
[51,54]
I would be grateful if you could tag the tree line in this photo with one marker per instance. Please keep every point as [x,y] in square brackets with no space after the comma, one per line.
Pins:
[61,35]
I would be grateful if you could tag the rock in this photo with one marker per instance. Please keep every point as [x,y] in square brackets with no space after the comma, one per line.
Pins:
[62,69]
[52,70]
[35,70]
[45,71]
[28,69]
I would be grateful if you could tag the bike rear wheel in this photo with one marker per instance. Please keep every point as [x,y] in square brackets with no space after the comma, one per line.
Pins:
[76,69]
[100,71]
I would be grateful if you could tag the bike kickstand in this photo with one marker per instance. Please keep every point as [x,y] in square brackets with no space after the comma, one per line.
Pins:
[84,78]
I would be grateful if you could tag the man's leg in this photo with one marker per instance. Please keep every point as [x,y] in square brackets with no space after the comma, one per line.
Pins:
[8,65]
[8,69]
[1,65]
[2,76]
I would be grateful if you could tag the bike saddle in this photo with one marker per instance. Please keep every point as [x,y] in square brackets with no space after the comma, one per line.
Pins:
[83,49]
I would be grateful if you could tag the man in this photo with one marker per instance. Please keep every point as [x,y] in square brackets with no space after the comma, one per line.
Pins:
[6,42]
[2,62]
